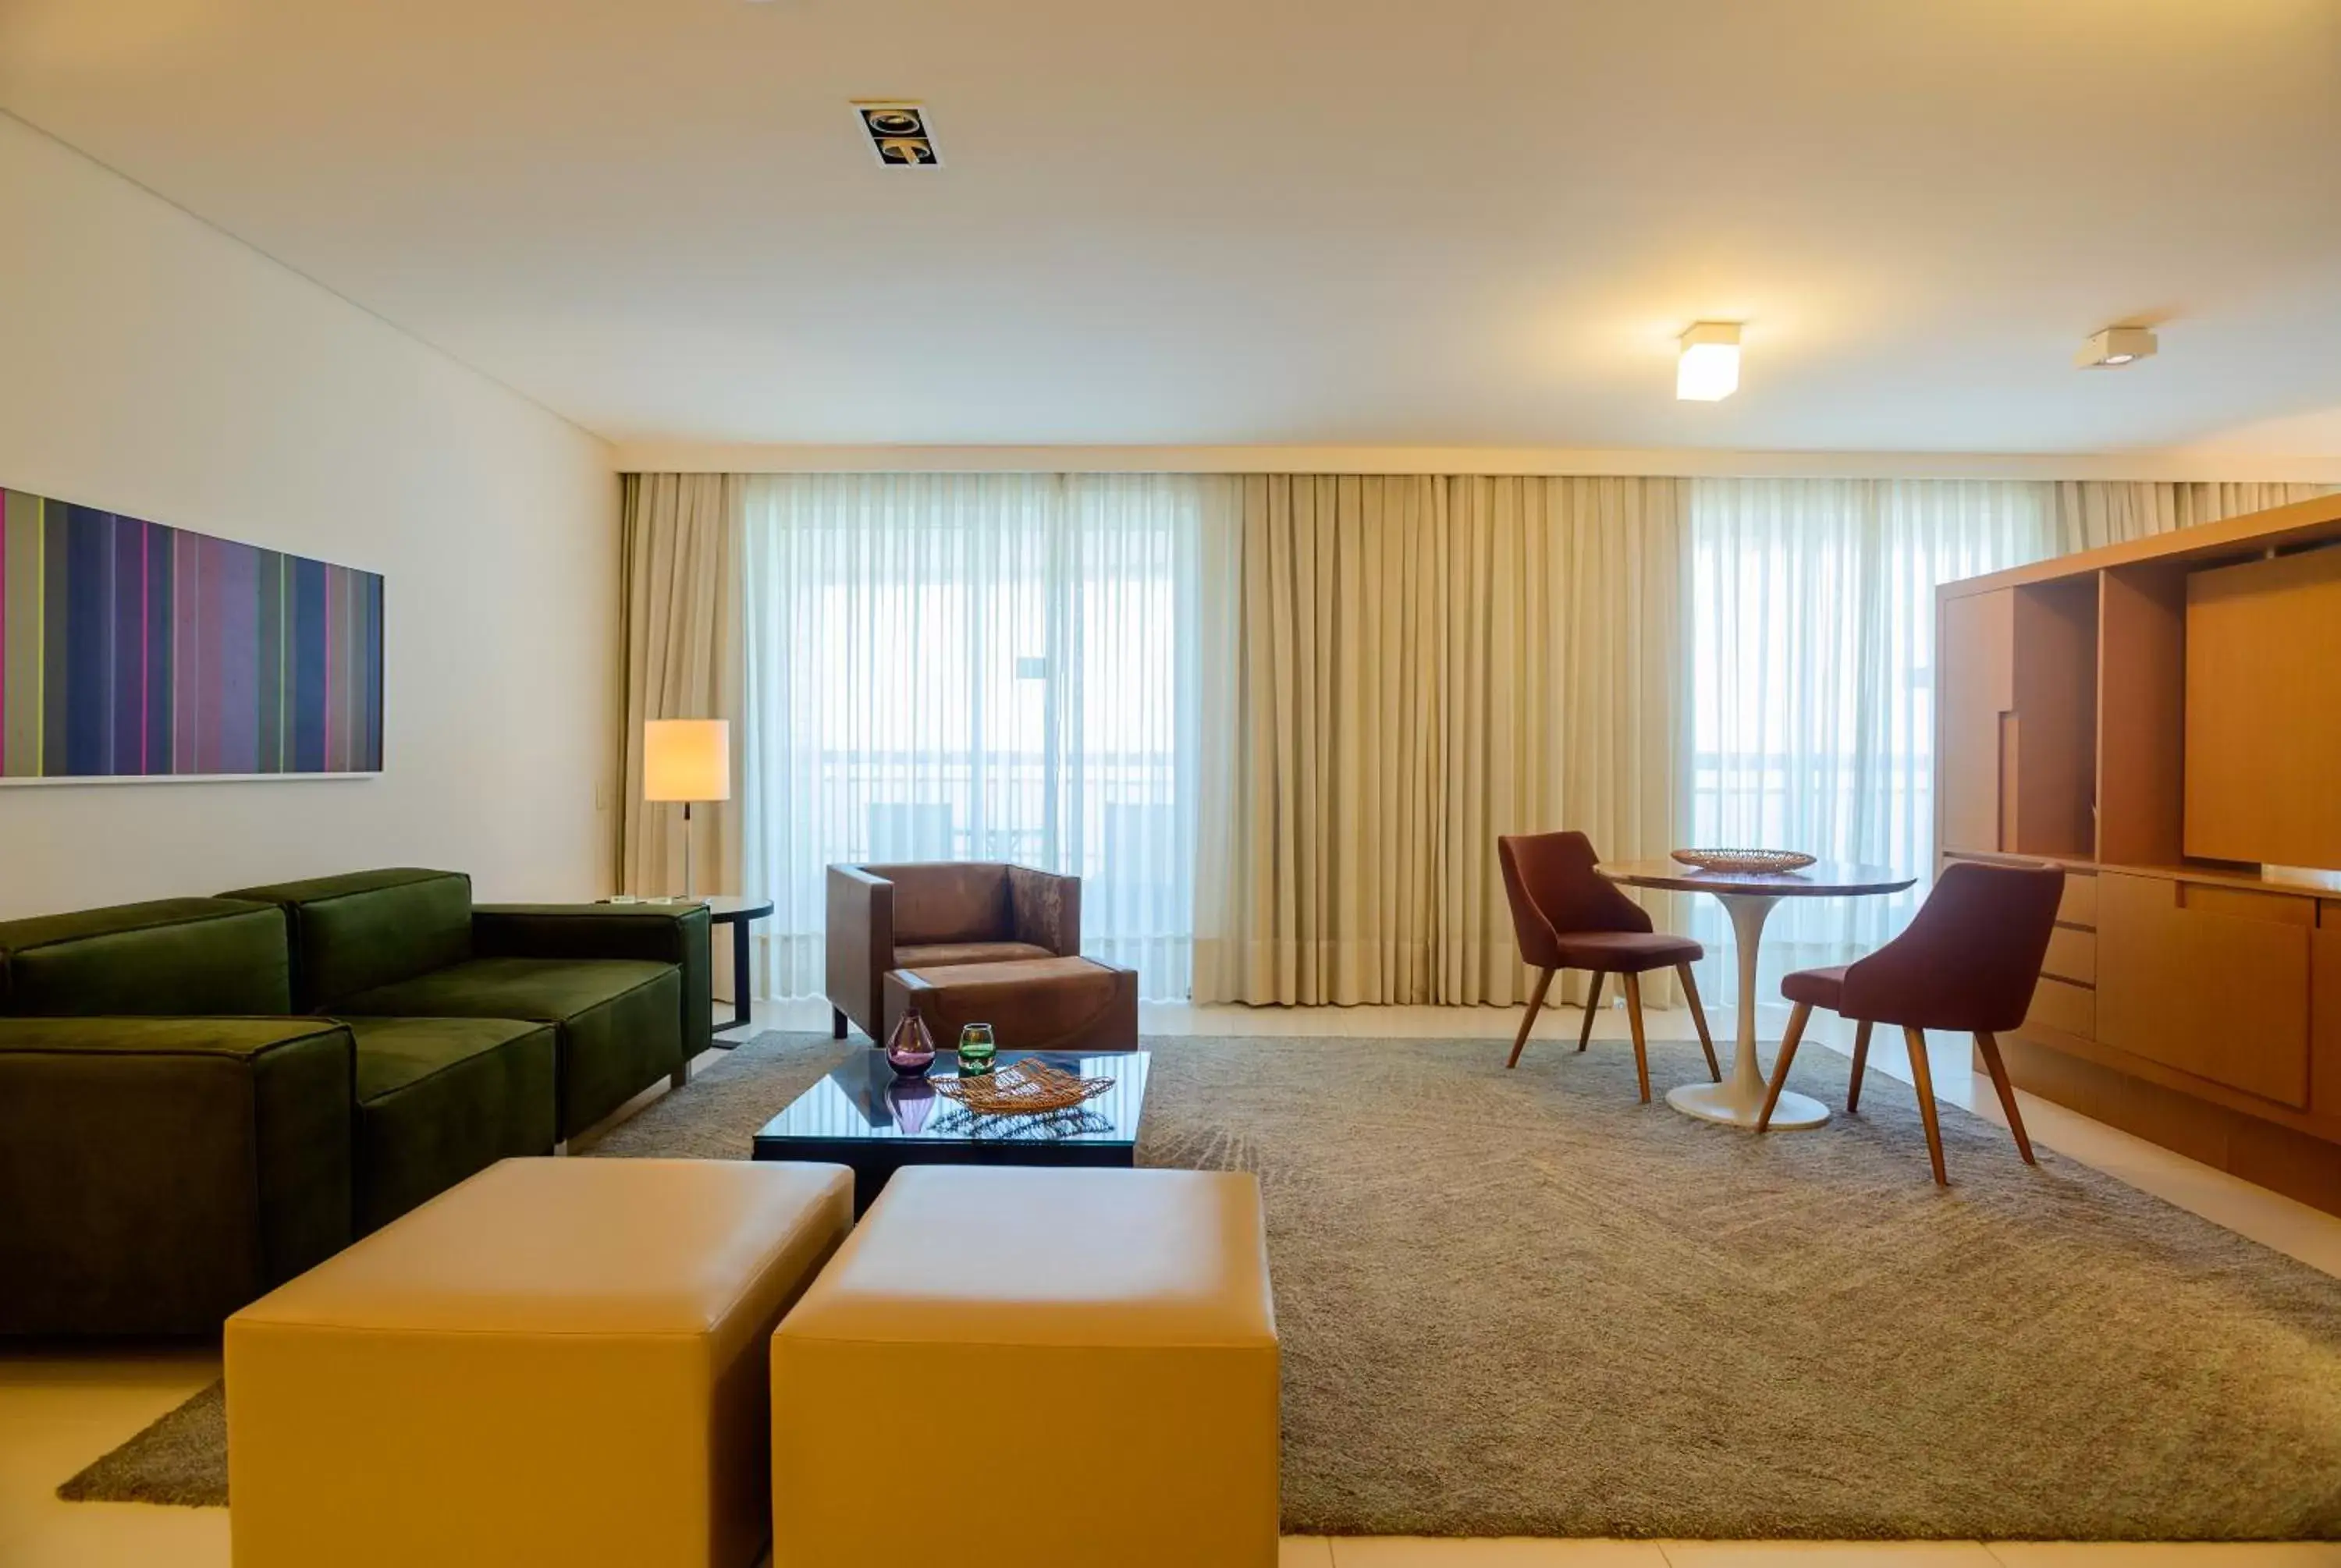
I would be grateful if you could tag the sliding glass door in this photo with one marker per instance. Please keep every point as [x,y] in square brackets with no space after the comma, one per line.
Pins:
[991,667]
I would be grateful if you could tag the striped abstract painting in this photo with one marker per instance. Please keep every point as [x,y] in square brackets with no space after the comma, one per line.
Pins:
[131,649]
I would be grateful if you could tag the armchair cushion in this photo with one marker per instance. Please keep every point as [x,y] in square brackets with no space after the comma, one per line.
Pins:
[1815,987]
[1625,952]
[367,929]
[440,1099]
[156,1173]
[936,955]
[190,958]
[1046,910]
[948,901]
[617,1019]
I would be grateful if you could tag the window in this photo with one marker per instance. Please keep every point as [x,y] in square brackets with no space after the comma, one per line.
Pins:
[1812,682]
[975,667]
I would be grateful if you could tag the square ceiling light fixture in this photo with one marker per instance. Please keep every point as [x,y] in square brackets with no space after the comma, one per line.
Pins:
[1708,370]
[898,133]
[2116,346]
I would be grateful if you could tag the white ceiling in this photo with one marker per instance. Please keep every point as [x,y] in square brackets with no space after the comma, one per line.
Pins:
[1480,221]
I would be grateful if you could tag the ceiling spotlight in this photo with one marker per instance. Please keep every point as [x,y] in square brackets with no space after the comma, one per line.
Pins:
[1708,370]
[2115,346]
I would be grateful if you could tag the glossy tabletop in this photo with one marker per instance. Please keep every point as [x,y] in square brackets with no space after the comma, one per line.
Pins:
[863,1115]
[1821,879]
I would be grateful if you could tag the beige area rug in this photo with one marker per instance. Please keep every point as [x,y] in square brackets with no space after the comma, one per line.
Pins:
[1525,1304]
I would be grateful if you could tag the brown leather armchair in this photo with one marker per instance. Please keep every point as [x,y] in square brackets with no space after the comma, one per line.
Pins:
[936,913]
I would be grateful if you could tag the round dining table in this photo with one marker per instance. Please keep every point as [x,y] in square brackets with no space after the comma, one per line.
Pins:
[1748,896]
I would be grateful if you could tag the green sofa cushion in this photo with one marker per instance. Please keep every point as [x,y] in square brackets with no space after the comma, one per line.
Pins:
[620,1019]
[355,932]
[675,933]
[185,956]
[156,1173]
[440,1099]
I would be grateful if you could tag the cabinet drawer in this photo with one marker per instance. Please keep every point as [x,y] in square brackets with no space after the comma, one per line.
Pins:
[2212,981]
[2072,955]
[2079,905]
[2069,1009]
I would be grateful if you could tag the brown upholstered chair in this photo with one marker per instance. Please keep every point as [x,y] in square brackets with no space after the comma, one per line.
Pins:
[938,913]
[1968,961]
[1567,916]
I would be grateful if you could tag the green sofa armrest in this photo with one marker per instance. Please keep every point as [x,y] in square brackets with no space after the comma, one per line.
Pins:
[156,1173]
[676,934]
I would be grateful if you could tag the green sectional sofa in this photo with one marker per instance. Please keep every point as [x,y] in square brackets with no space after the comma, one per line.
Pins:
[185,1123]
[626,986]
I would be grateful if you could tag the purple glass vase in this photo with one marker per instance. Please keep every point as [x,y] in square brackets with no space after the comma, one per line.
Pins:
[911,1049]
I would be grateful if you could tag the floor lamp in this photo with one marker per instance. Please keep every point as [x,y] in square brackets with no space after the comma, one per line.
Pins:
[687,760]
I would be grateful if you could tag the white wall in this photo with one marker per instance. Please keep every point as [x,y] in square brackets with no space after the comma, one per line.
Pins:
[150,364]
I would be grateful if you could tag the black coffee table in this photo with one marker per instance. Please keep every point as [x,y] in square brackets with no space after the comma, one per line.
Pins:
[864,1116]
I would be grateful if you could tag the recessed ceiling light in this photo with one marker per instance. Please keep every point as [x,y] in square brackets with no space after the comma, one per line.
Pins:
[1708,368]
[899,133]
[2115,346]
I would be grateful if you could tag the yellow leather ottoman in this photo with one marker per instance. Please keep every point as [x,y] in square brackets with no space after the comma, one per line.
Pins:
[1020,1366]
[559,1361]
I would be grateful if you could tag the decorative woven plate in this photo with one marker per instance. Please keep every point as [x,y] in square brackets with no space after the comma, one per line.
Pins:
[1744,860]
[1021,1088]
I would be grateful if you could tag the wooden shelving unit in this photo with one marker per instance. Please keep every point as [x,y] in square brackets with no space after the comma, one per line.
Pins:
[2194,1001]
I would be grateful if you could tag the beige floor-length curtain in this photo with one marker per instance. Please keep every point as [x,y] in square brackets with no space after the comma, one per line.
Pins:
[1415,665]
[680,609]
[2092,512]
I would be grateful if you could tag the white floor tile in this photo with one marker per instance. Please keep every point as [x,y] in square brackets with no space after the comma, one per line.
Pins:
[1828,1555]
[59,1411]
[2186,1554]
[1304,1551]
[1499,1552]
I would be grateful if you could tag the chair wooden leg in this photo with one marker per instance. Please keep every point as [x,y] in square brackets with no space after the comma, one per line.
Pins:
[1788,1043]
[1634,1022]
[1924,1078]
[1536,1002]
[1990,1046]
[1699,1017]
[1860,1065]
[1592,1001]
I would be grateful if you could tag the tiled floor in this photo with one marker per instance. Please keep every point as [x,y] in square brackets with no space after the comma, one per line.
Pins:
[60,1409]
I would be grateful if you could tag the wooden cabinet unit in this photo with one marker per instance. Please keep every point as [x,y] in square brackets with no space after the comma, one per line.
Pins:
[2209,980]
[2129,712]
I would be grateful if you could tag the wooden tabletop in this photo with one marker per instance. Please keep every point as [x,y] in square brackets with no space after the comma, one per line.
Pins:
[1822,879]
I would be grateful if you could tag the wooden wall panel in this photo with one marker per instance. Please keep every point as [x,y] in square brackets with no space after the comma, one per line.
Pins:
[2056,701]
[2072,955]
[2069,1009]
[2264,711]
[2214,992]
[2324,1014]
[2141,714]
[2078,906]
[1974,688]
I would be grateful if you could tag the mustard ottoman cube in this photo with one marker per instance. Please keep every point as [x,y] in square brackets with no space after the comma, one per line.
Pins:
[1010,1366]
[559,1361]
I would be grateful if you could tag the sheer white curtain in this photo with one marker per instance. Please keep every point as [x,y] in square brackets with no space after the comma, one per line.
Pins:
[996,667]
[1811,682]
[2091,512]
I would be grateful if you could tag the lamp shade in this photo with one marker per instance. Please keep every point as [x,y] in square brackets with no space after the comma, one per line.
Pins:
[687,759]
